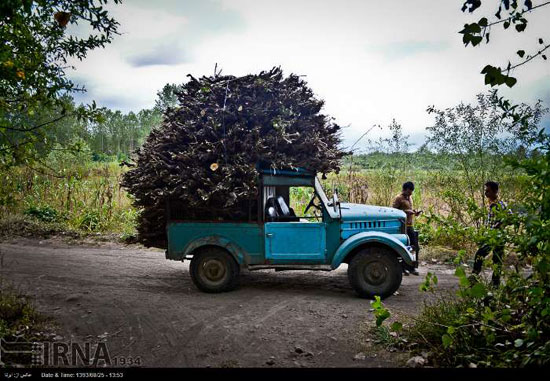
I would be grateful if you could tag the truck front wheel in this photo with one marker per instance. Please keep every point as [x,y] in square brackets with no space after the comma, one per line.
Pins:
[375,271]
[214,270]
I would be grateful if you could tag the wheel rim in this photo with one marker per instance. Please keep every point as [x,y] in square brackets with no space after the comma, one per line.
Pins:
[212,271]
[375,273]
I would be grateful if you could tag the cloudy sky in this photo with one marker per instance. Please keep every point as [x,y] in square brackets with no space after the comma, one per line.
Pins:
[371,61]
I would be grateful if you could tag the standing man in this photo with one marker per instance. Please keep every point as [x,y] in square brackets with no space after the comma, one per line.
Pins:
[495,205]
[404,202]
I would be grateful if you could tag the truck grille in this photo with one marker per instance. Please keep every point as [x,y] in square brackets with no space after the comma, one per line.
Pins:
[388,226]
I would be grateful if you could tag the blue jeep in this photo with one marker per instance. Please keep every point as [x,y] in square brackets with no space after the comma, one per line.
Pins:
[370,239]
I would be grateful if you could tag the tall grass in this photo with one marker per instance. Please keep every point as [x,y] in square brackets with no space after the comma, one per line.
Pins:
[449,212]
[86,196]
[79,194]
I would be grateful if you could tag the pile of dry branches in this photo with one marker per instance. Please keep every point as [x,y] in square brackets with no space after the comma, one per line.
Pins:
[202,159]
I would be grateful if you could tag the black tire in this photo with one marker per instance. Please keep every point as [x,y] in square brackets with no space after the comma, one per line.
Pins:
[375,271]
[214,270]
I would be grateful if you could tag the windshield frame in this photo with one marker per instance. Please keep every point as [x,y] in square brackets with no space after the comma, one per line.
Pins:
[321,193]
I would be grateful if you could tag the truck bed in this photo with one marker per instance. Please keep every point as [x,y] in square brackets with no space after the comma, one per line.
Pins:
[243,237]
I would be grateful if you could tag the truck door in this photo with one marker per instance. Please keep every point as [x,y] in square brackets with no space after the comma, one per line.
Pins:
[287,242]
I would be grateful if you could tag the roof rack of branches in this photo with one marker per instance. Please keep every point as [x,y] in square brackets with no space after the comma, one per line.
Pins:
[202,160]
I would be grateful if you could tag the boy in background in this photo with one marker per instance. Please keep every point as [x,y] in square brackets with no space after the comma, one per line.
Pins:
[495,204]
[404,202]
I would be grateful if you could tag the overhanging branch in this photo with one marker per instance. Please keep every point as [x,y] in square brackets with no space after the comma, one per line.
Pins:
[34,127]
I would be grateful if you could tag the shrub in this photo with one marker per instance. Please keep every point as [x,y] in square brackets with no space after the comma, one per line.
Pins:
[90,221]
[491,328]
[16,313]
[42,213]
[509,325]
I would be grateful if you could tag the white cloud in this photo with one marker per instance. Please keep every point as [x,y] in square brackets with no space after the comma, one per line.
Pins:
[370,61]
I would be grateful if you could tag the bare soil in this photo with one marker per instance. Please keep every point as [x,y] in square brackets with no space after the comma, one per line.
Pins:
[145,306]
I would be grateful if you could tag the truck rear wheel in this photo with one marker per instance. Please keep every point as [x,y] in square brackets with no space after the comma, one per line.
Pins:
[375,271]
[214,270]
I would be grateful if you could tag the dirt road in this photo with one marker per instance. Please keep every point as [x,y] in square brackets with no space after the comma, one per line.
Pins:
[144,305]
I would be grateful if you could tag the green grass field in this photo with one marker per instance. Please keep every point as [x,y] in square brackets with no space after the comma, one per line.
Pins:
[83,196]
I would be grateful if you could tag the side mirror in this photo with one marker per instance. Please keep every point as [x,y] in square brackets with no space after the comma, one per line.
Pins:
[335,202]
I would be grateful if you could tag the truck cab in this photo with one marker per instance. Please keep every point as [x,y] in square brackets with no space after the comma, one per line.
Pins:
[283,234]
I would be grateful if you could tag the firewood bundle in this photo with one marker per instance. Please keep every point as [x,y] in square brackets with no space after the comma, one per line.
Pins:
[202,161]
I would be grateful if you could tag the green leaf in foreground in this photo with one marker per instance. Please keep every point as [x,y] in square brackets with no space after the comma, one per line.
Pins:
[478,290]
[396,326]
[447,340]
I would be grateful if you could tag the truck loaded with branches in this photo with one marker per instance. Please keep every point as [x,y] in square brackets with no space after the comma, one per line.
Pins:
[215,184]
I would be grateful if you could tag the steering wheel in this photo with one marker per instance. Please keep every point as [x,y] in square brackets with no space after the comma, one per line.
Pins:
[312,203]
